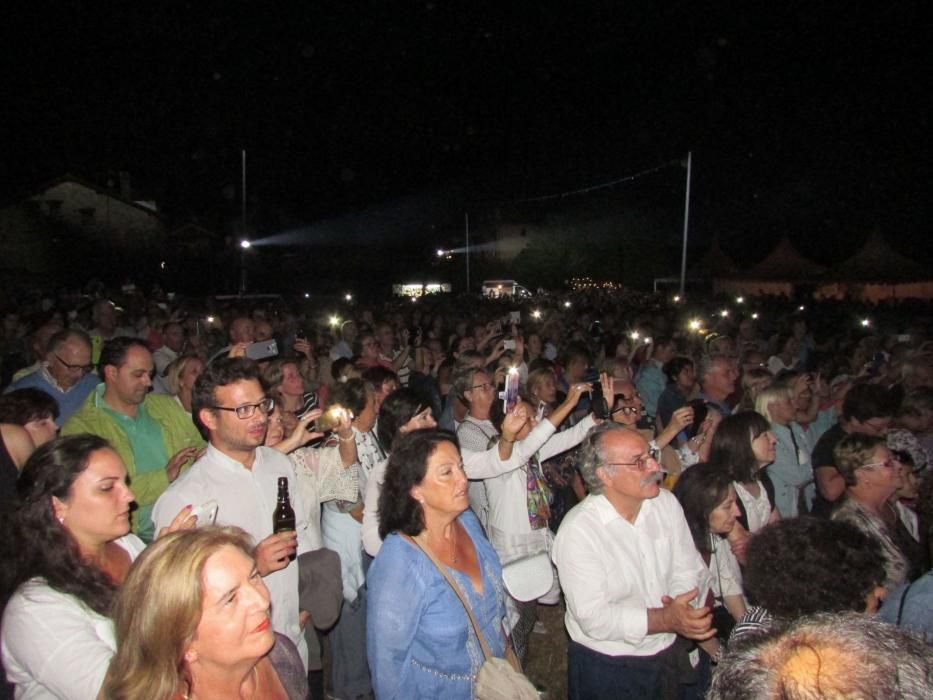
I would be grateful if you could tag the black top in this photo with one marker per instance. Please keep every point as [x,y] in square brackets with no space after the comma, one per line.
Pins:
[8,475]
[823,457]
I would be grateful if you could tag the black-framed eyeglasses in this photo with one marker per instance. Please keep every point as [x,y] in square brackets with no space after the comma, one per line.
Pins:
[482,386]
[247,411]
[81,368]
[640,463]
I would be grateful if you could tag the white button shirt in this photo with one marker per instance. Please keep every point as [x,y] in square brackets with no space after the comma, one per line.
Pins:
[247,498]
[612,571]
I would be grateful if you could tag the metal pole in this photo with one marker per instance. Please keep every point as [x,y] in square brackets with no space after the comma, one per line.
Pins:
[243,193]
[466,219]
[683,257]
[242,224]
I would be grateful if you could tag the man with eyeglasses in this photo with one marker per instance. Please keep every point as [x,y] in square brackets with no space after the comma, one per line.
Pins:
[65,373]
[629,571]
[231,407]
[152,434]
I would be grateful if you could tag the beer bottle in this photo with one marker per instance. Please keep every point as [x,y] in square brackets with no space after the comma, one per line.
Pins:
[283,519]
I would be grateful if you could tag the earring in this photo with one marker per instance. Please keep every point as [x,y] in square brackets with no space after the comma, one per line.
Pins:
[191,656]
[61,519]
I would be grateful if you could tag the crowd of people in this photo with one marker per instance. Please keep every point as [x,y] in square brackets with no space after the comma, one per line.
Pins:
[705,488]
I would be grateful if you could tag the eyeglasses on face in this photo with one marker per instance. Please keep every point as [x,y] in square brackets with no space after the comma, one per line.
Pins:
[482,386]
[886,464]
[640,463]
[79,368]
[247,411]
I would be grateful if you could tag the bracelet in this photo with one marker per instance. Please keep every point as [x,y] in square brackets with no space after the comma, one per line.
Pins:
[343,439]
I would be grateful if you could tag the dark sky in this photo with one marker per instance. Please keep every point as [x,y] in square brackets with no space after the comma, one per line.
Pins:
[807,118]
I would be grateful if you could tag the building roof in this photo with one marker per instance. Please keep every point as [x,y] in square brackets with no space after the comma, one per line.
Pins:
[785,263]
[876,261]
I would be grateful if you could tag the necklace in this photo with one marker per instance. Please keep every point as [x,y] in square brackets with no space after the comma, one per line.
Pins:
[454,559]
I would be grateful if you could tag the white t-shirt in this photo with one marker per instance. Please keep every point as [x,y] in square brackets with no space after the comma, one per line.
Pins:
[757,508]
[53,645]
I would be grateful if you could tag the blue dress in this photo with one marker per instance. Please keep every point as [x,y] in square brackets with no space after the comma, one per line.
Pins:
[419,639]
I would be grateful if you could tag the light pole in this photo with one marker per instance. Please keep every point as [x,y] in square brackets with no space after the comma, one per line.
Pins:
[244,246]
[683,257]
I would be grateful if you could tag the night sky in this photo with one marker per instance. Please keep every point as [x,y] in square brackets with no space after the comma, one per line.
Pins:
[810,119]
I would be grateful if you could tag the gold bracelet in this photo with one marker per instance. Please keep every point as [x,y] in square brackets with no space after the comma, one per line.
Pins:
[343,439]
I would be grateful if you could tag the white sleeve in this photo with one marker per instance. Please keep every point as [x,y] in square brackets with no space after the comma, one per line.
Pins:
[372,542]
[168,505]
[52,640]
[566,440]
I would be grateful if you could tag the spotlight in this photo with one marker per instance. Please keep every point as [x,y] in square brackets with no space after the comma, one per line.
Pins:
[348,297]
[245,244]
[695,324]
[566,304]
[866,322]
[536,314]
[740,300]
[335,320]
[724,313]
[755,315]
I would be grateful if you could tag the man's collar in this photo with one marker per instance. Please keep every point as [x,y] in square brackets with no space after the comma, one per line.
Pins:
[102,403]
[607,512]
[226,460]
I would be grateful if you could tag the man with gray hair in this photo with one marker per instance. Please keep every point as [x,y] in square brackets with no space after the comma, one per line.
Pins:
[629,571]
[65,374]
[717,375]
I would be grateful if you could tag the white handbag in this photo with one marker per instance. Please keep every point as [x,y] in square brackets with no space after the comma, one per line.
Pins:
[528,578]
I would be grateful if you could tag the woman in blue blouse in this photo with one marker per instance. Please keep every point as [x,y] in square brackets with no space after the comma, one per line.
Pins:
[419,639]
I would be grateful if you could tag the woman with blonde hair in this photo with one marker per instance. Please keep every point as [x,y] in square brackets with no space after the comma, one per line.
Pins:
[180,376]
[192,622]
[791,472]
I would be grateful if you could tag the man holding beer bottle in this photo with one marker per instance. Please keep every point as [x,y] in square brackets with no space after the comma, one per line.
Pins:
[230,406]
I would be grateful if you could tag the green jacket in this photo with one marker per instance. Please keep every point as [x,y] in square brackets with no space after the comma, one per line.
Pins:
[178,432]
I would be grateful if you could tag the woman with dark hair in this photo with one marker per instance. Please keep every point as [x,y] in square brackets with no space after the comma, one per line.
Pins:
[742,447]
[66,549]
[419,638]
[708,498]
[403,411]
[682,386]
[807,565]
[192,621]
[786,353]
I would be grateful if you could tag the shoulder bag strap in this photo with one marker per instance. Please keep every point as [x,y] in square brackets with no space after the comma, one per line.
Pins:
[453,584]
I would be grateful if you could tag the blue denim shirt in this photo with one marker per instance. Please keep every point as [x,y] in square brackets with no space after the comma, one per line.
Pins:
[418,637]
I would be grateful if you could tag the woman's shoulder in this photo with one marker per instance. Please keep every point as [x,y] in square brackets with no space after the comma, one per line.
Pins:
[132,544]
[288,666]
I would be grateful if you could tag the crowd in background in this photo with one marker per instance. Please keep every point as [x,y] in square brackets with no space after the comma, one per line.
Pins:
[794,436]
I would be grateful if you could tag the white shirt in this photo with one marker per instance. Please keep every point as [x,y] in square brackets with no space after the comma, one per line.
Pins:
[54,646]
[723,575]
[247,498]
[507,493]
[757,508]
[322,477]
[162,358]
[612,571]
